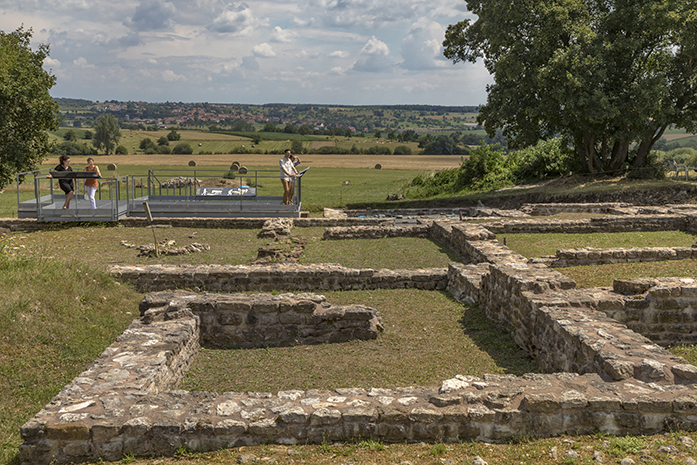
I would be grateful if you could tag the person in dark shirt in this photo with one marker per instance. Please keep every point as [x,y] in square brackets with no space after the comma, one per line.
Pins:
[66,185]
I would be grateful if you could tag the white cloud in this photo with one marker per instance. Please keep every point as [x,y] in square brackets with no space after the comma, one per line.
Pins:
[51,63]
[304,54]
[279,35]
[264,51]
[375,47]
[421,49]
[82,63]
[374,57]
[238,19]
[421,86]
[368,14]
[170,76]
[316,46]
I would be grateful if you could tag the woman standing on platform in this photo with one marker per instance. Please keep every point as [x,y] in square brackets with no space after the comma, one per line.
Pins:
[66,184]
[91,184]
[287,175]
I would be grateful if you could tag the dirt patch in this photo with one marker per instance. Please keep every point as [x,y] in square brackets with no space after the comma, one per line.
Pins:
[322,143]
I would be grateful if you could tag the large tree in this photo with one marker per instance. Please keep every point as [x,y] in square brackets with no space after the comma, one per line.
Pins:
[106,133]
[609,75]
[27,110]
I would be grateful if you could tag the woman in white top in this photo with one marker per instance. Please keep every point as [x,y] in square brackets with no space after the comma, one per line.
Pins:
[287,177]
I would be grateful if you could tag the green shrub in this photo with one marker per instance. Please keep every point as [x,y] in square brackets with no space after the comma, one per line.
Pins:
[328,150]
[402,150]
[551,158]
[442,145]
[654,168]
[182,148]
[121,150]
[681,156]
[146,144]
[378,150]
[484,169]
[73,148]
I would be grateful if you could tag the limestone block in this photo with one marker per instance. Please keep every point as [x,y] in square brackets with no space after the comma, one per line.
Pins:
[685,371]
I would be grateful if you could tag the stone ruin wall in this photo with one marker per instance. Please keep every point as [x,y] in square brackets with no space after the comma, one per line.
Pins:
[264,278]
[239,321]
[608,378]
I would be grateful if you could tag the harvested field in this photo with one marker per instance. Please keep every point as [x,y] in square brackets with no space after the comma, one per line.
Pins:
[389,162]
[185,135]
[321,143]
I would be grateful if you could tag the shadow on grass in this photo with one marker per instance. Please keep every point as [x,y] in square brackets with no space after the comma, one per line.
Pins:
[450,253]
[497,343]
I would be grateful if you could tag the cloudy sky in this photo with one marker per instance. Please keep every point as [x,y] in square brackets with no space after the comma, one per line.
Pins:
[283,51]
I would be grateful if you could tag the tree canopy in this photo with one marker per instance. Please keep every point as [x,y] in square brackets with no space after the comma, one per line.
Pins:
[106,133]
[608,75]
[27,110]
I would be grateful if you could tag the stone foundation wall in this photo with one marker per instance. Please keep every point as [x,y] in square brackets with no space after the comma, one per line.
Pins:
[622,383]
[241,321]
[607,224]
[119,406]
[548,209]
[564,328]
[375,232]
[592,256]
[241,278]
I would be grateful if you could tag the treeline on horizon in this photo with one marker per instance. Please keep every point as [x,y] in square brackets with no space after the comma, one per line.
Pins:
[73,102]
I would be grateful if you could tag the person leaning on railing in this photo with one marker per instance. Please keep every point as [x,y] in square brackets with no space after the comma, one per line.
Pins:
[287,175]
[66,184]
[91,184]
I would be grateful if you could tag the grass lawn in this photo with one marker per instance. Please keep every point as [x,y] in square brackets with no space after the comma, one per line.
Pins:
[428,338]
[538,245]
[56,317]
[102,246]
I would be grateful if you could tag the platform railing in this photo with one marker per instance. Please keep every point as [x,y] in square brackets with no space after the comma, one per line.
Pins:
[253,192]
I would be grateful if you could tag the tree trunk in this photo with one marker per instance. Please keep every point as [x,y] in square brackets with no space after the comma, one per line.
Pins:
[619,155]
[646,144]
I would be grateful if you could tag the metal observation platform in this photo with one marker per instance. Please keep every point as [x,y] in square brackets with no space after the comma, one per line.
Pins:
[169,193]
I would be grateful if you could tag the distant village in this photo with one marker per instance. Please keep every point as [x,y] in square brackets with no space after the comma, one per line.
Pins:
[420,118]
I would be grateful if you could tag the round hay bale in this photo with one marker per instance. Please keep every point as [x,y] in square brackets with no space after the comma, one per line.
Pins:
[192,163]
[235,165]
[243,170]
[378,166]
[111,167]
